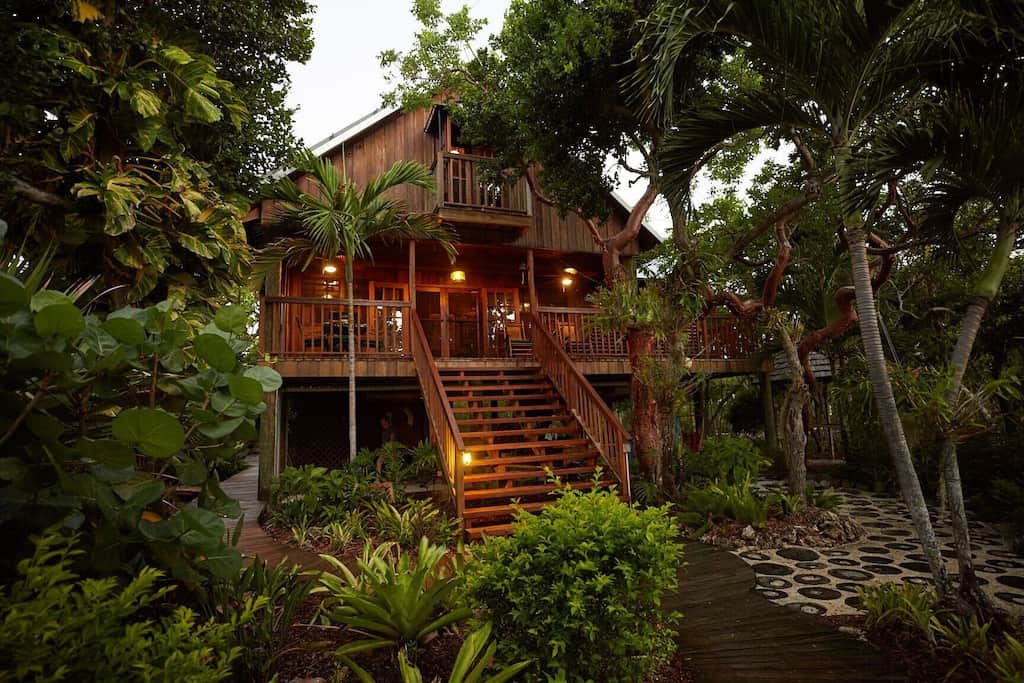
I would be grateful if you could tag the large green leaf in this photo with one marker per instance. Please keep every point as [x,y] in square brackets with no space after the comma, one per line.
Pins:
[48,297]
[268,378]
[153,431]
[145,102]
[246,390]
[219,430]
[125,330]
[63,319]
[200,108]
[232,319]
[215,351]
[140,491]
[224,563]
[13,296]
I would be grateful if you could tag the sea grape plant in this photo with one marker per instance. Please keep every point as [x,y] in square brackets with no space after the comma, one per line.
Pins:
[106,420]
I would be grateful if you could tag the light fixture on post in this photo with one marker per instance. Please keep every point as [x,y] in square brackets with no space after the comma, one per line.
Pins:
[566,282]
[569,270]
[330,269]
[458,276]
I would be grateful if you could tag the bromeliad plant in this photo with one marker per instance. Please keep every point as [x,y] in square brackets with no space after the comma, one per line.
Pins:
[471,663]
[394,602]
[103,417]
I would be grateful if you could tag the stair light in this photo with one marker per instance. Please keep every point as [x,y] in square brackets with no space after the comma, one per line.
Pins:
[467,458]
[458,276]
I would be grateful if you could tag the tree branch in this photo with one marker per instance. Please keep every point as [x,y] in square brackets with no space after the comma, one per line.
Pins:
[37,196]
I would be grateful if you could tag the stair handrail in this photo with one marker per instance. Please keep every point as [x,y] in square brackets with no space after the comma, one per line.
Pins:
[599,422]
[439,414]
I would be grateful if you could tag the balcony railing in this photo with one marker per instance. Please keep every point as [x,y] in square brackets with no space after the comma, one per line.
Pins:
[463,186]
[303,327]
[716,337]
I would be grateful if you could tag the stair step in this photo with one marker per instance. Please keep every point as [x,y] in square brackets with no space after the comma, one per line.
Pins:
[506,409]
[485,370]
[519,432]
[489,378]
[532,473]
[492,530]
[565,456]
[475,388]
[511,492]
[524,445]
[504,397]
[557,417]
[492,511]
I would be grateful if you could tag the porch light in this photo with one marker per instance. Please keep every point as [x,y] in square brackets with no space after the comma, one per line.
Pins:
[330,268]
[467,458]
[569,270]
[458,276]
[567,281]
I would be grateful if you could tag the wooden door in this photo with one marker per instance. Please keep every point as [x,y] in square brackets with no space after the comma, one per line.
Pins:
[463,323]
[430,312]
[502,317]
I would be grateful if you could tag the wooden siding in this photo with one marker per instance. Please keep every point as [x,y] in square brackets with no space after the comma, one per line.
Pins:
[401,136]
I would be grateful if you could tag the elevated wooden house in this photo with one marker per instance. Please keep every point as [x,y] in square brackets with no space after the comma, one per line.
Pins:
[492,358]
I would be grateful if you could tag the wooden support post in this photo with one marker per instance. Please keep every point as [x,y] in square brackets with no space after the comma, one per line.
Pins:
[771,434]
[412,273]
[269,442]
[532,280]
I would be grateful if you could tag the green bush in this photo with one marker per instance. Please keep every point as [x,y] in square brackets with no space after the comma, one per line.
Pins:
[273,596]
[905,603]
[313,496]
[415,520]
[578,587]
[398,464]
[393,602]
[728,459]
[57,627]
[736,501]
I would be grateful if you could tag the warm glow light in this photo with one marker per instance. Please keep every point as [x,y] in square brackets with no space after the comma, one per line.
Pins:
[458,276]
[526,305]
[567,282]
[570,270]
[467,458]
[329,268]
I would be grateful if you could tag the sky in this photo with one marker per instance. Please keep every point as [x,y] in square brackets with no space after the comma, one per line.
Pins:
[343,80]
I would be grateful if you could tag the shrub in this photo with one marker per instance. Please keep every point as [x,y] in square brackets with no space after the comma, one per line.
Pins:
[273,595]
[736,501]
[417,519]
[728,459]
[398,464]
[315,496]
[906,603]
[59,627]
[474,656]
[391,601]
[578,587]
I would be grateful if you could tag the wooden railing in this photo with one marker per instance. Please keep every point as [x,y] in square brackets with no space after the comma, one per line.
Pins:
[716,337]
[462,186]
[310,327]
[439,413]
[599,422]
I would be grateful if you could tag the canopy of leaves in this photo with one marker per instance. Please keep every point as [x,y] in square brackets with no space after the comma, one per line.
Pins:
[123,141]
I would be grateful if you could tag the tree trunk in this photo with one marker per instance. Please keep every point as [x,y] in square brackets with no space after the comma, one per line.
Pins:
[975,600]
[885,401]
[646,433]
[351,365]
[794,437]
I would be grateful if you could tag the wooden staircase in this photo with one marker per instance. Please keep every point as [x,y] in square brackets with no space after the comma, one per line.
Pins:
[518,432]
[502,427]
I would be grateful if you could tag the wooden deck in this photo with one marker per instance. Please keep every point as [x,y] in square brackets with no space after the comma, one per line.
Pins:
[731,634]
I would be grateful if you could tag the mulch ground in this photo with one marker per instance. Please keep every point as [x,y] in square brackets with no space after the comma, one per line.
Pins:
[309,654]
[810,527]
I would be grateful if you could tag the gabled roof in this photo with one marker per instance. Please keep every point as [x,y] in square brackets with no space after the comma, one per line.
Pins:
[360,126]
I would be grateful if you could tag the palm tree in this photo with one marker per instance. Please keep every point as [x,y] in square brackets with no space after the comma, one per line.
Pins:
[336,218]
[830,69]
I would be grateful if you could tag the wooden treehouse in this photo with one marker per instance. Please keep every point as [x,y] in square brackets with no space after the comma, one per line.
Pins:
[493,358]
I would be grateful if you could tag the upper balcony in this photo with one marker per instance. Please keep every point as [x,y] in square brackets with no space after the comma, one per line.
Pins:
[465,194]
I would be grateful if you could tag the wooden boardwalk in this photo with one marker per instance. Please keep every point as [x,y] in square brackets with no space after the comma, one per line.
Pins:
[730,634]
[254,541]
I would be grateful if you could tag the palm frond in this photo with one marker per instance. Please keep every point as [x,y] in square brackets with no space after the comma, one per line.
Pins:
[401,173]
